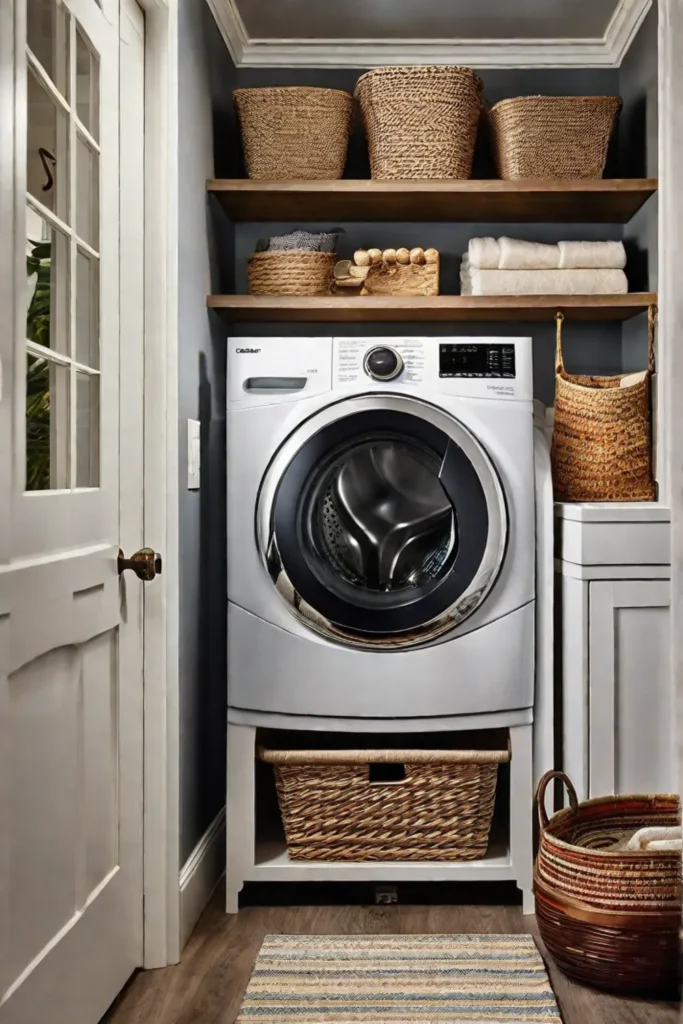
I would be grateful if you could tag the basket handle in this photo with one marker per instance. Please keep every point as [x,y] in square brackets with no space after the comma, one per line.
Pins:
[651,325]
[540,795]
[559,362]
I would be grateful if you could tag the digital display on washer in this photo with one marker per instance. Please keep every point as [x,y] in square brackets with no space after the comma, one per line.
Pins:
[476,360]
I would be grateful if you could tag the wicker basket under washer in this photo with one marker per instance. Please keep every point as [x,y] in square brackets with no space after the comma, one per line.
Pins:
[360,805]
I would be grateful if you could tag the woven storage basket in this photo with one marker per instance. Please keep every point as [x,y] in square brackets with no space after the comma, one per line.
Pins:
[602,438]
[294,132]
[296,272]
[552,136]
[609,917]
[421,122]
[333,809]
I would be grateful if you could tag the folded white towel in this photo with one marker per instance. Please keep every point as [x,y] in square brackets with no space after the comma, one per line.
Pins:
[542,282]
[484,252]
[644,838]
[518,255]
[515,254]
[592,255]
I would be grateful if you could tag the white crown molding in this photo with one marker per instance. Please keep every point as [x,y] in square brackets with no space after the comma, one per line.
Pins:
[231,27]
[623,28]
[605,52]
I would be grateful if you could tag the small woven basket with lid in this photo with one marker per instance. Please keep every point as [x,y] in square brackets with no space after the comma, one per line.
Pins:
[421,122]
[294,132]
[609,916]
[552,137]
[602,437]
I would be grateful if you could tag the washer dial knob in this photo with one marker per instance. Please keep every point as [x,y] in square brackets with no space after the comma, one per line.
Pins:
[382,363]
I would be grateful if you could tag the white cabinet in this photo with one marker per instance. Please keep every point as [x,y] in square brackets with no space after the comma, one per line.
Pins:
[617,688]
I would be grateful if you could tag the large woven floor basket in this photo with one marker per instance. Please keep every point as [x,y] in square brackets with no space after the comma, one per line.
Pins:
[294,132]
[293,272]
[608,916]
[602,437]
[421,122]
[360,805]
[552,136]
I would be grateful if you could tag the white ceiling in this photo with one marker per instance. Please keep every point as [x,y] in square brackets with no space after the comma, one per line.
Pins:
[426,19]
[480,33]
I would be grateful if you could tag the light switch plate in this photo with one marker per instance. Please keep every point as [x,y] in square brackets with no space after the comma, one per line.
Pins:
[193,455]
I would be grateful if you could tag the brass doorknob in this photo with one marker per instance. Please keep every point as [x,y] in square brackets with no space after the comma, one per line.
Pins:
[145,563]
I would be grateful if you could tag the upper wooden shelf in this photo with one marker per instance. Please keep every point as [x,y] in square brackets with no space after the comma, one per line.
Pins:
[606,200]
[439,309]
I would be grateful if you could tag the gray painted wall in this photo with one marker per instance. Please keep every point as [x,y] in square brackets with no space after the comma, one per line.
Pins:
[205,259]
[638,156]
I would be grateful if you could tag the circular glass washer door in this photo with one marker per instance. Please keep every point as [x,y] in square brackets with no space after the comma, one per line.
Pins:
[382,522]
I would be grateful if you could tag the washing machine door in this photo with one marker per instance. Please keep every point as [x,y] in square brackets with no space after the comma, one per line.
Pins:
[382,522]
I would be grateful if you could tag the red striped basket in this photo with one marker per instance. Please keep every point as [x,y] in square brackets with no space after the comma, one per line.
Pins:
[609,916]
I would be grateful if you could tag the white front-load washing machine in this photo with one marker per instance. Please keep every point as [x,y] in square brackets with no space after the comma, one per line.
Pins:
[381,518]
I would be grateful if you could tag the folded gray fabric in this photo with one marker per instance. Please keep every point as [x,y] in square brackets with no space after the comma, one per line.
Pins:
[325,241]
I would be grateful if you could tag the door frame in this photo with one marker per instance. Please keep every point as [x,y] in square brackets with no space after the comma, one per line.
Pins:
[670,351]
[161,824]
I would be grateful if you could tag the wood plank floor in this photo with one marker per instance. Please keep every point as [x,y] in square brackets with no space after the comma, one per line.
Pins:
[207,987]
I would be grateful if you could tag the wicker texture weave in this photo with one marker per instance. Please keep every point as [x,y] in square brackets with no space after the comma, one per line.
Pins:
[294,132]
[609,917]
[552,136]
[295,272]
[421,122]
[602,438]
[442,810]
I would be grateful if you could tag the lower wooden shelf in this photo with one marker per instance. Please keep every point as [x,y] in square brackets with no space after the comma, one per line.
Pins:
[273,864]
[438,309]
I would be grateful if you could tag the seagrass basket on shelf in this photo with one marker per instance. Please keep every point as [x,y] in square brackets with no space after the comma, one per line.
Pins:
[552,137]
[421,122]
[386,805]
[609,917]
[294,132]
[292,272]
[602,437]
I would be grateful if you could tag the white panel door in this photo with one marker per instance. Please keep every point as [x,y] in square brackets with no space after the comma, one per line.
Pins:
[631,696]
[71,348]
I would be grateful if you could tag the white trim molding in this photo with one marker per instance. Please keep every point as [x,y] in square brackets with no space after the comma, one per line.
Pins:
[200,875]
[670,352]
[606,51]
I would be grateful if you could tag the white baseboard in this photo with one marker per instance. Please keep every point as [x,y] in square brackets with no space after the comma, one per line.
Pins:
[200,874]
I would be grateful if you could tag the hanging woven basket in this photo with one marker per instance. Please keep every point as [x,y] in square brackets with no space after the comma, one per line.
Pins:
[602,440]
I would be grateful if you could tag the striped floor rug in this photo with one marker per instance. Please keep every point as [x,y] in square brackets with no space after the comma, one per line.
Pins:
[395,979]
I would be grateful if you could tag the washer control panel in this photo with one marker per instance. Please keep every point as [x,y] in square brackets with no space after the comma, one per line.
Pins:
[485,367]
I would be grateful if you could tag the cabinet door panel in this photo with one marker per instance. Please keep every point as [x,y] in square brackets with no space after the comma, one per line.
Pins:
[630,688]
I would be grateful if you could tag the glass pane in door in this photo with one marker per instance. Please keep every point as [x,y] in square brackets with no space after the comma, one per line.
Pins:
[47,274]
[377,525]
[87,310]
[87,193]
[47,149]
[87,430]
[87,85]
[47,35]
[47,424]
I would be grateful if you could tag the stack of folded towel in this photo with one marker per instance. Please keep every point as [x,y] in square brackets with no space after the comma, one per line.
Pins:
[509,266]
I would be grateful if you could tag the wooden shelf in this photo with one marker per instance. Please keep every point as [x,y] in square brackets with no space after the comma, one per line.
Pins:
[607,200]
[272,864]
[440,309]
